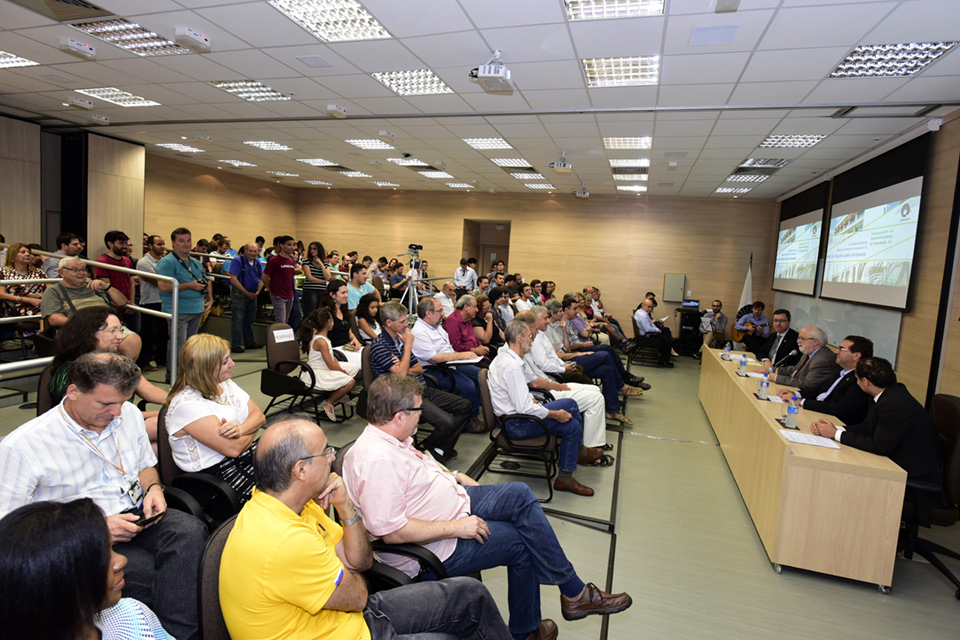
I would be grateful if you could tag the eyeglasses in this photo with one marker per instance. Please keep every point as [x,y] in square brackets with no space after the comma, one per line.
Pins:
[78,270]
[802,338]
[329,451]
[843,349]
[114,330]
[420,409]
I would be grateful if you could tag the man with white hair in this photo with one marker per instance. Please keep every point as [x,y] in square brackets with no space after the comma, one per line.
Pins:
[816,368]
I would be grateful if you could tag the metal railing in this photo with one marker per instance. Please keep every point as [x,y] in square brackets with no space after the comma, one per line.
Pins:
[23,365]
[213,256]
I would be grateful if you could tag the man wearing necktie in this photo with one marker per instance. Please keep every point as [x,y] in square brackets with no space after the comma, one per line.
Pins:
[816,368]
[843,398]
[780,348]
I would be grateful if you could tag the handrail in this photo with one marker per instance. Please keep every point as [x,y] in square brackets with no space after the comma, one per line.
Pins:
[7,283]
[15,319]
[214,257]
[23,365]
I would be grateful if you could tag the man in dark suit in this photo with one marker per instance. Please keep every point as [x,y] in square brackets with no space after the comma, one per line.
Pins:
[815,369]
[897,426]
[842,397]
[780,348]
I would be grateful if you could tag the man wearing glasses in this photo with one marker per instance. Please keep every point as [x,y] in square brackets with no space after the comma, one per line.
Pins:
[289,571]
[843,398]
[816,368]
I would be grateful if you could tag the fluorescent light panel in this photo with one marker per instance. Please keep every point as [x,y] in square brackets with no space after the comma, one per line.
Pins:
[333,20]
[890,60]
[12,61]
[797,141]
[319,183]
[237,163]
[250,90]
[621,72]
[116,96]
[180,147]
[369,144]
[355,174]
[439,175]
[636,188]
[631,177]
[416,82]
[764,163]
[284,174]
[460,185]
[643,142]
[541,186]
[129,36]
[600,9]
[408,162]
[746,177]
[487,143]
[629,163]
[267,145]
[384,184]
[515,163]
[733,190]
[528,176]
[317,162]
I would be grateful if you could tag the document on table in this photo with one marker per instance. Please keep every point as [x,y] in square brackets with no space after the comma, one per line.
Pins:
[774,398]
[751,374]
[809,438]
[465,361]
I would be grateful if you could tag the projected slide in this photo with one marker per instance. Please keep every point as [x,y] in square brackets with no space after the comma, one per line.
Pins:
[798,246]
[870,246]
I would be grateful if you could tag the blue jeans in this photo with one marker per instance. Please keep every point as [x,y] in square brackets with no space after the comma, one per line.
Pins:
[243,312]
[521,539]
[569,432]
[598,365]
[466,383]
[453,608]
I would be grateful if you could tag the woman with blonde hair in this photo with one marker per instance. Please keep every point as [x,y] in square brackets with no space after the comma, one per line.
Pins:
[211,422]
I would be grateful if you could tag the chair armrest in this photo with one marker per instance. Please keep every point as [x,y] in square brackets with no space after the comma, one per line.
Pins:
[381,577]
[441,368]
[930,487]
[182,501]
[302,366]
[556,377]
[519,416]
[217,498]
[424,557]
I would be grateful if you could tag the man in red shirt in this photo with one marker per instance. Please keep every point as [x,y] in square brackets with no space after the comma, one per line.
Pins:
[118,254]
[278,278]
[460,330]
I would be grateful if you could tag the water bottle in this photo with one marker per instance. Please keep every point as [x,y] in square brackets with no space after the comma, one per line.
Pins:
[742,370]
[726,352]
[764,388]
[793,408]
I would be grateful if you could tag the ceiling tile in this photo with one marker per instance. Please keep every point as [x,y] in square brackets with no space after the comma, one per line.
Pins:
[377,55]
[823,26]
[623,37]
[259,24]
[695,95]
[531,44]
[855,90]
[487,14]
[700,68]
[751,27]
[772,93]
[418,17]
[793,64]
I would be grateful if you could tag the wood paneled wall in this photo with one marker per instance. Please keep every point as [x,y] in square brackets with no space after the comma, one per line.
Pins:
[208,201]
[20,212]
[948,158]
[115,185]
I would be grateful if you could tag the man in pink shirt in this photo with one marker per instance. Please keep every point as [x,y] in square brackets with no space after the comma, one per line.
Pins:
[458,328]
[403,496]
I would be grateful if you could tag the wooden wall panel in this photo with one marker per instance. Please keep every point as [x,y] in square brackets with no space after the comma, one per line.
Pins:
[19,180]
[950,370]
[115,186]
[208,201]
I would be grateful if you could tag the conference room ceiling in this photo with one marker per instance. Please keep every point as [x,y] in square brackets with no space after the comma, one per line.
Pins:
[710,109]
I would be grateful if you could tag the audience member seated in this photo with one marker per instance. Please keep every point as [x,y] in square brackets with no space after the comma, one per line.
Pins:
[485,326]
[447,297]
[289,571]
[523,301]
[368,317]
[483,286]
[398,282]
[402,496]
[547,288]
[341,337]
[465,278]
[536,291]
[592,308]
[358,286]
[495,268]
[329,374]
[499,302]
[713,327]
[392,352]
[212,423]
[94,445]
[757,327]
[843,397]
[816,368]
[69,246]
[25,298]
[780,348]
[648,328]
[461,332]
[61,579]
[75,292]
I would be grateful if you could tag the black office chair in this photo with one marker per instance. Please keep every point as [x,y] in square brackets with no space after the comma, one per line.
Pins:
[212,625]
[541,450]
[645,350]
[917,513]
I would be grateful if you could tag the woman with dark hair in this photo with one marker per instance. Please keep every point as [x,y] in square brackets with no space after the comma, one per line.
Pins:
[19,266]
[484,325]
[342,339]
[368,317]
[61,579]
[316,275]
[497,297]
[96,329]
[329,374]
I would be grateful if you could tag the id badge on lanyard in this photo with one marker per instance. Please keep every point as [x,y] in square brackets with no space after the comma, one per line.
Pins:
[135,491]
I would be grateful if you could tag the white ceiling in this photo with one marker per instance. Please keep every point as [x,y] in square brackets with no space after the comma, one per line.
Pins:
[711,108]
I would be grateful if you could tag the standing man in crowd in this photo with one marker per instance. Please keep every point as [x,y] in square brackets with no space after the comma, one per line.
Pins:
[69,244]
[713,327]
[153,330]
[118,254]
[246,273]
[278,277]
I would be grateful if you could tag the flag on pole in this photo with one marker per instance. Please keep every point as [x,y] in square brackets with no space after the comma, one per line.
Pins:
[746,296]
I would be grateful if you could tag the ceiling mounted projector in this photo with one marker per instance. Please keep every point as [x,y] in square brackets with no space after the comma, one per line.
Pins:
[561,165]
[76,48]
[493,76]
[192,39]
[582,191]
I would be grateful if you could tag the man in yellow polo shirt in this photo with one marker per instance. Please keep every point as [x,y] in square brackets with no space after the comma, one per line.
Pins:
[288,571]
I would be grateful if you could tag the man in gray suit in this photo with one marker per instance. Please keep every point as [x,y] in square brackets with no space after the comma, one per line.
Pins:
[816,368]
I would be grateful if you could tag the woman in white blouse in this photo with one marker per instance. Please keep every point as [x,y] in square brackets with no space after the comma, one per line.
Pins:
[211,422]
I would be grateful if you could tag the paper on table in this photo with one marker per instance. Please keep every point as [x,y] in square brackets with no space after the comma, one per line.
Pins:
[773,398]
[751,374]
[465,361]
[809,438]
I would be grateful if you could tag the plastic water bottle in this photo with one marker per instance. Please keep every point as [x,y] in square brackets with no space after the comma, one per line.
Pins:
[764,388]
[742,370]
[726,351]
[793,408]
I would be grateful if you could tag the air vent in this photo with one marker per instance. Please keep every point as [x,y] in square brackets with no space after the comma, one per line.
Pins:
[630,170]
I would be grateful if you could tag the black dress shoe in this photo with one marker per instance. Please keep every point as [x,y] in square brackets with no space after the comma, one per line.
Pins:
[237,349]
[254,345]
[668,364]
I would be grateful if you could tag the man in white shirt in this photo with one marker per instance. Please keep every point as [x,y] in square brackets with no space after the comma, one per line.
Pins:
[524,303]
[447,298]
[465,278]
[431,346]
[94,445]
[648,328]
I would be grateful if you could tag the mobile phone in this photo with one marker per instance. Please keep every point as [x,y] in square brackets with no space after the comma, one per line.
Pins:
[349,347]
[144,521]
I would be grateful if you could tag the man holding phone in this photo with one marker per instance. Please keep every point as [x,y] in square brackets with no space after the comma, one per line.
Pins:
[94,444]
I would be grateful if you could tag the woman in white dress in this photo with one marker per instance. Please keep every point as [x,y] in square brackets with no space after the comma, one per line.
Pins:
[368,312]
[329,374]
[211,422]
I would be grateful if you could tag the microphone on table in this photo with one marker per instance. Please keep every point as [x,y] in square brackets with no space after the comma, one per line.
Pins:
[789,355]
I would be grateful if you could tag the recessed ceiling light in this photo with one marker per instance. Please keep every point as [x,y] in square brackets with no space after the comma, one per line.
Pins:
[384,184]
[636,188]
[319,183]
[355,174]
[416,82]
[408,162]
[528,176]
[540,185]
[621,72]
[438,175]
[237,163]
[129,36]
[460,185]
[628,163]
[317,162]
[180,147]
[11,61]
[746,177]
[250,90]
[631,176]
[766,163]
[116,96]
[890,60]
[487,143]
[284,174]
[733,190]
[369,144]
[267,145]
[600,9]
[517,163]
[333,20]
[628,143]
[800,141]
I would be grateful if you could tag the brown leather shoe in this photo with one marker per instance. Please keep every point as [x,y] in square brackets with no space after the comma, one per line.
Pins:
[477,426]
[574,487]
[546,631]
[593,454]
[592,601]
